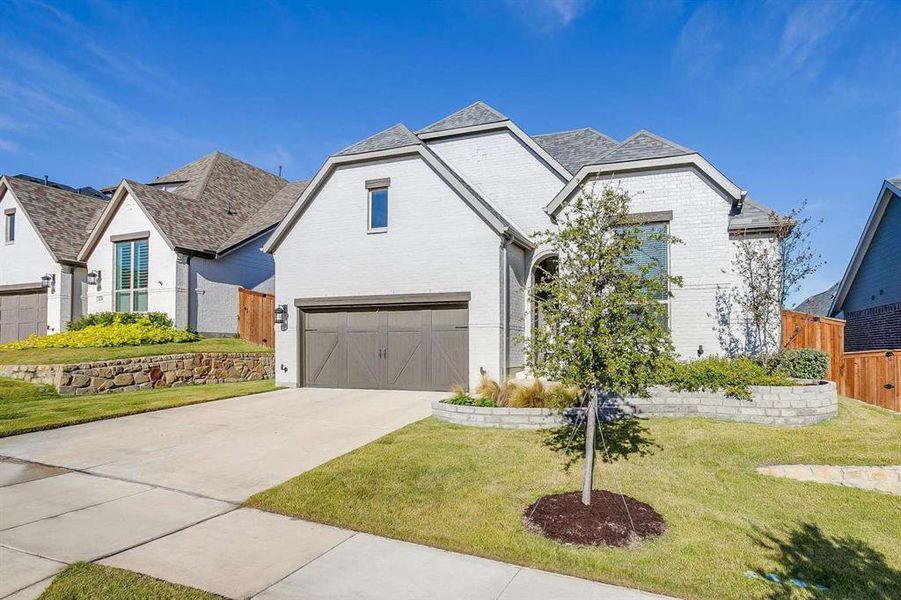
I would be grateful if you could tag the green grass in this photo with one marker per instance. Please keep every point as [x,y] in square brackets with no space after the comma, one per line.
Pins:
[464,489]
[96,582]
[52,356]
[27,407]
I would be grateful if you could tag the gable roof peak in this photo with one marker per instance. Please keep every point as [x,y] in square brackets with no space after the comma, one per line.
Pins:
[477,113]
[396,136]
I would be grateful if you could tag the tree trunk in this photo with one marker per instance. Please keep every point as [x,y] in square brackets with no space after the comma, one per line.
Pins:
[590,433]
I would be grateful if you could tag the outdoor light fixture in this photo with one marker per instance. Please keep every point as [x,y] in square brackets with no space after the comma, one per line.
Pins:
[47,280]
[281,314]
[94,278]
[700,350]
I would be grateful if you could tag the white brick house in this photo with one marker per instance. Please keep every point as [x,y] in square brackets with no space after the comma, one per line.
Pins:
[405,262]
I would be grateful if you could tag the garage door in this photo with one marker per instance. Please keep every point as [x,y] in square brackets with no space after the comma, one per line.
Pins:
[22,314]
[401,349]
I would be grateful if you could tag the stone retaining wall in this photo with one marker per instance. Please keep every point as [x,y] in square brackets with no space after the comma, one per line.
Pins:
[788,406]
[504,418]
[882,479]
[149,372]
[795,405]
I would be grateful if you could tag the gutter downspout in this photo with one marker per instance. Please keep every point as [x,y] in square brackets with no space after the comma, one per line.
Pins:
[506,240]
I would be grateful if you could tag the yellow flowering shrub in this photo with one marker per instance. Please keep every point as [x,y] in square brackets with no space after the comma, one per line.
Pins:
[137,332]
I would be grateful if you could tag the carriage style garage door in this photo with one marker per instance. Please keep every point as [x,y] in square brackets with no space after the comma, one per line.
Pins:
[401,348]
[22,314]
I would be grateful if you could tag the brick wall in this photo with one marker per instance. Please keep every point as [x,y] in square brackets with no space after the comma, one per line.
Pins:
[873,328]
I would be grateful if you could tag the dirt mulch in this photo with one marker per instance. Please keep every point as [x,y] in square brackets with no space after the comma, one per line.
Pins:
[605,522]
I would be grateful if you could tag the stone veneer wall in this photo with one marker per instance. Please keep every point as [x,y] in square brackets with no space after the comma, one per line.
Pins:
[770,405]
[149,372]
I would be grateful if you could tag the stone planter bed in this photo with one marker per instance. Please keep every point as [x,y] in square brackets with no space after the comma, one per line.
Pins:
[789,406]
[150,372]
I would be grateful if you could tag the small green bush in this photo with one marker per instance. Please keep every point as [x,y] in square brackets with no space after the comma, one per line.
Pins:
[463,399]
[732,376]
[157,319]
[124,329]
[804,363]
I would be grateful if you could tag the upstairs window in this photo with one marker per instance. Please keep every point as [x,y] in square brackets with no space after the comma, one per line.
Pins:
[132,260]
[9,226]
[378,205]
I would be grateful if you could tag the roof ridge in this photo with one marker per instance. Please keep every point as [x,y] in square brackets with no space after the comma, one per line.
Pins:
[478,103]
[589,128]
[660,138]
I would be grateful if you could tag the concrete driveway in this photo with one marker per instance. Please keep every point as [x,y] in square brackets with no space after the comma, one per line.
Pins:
[228,449]
[93,491]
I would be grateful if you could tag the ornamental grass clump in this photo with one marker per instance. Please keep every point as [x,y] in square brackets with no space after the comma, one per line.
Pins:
[123,329]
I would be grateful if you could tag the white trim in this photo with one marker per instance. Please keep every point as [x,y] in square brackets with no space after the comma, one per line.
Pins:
[866,237]
[107,216]
[369,192]
[558,169]
[499,225]
[694,160]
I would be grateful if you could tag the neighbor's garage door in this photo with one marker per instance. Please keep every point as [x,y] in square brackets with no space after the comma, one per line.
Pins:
[22,314]
[401,349]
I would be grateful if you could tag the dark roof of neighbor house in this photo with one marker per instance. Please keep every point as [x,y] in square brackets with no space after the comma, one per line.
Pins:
[819,304]
[270,215]
[63,217]
[576,148]
[477,113]
[217,195]
[395,136]
[84,191]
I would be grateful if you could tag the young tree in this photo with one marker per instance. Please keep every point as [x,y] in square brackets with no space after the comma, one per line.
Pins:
[602,325]
[767,270]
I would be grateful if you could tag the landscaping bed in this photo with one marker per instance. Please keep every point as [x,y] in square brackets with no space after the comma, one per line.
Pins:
[28,407]
[466,489]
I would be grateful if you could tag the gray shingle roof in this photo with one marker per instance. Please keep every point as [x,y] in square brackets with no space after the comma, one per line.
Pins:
[271,214]
[895,181]
[63,218]
[577,148]
[219,195]
[751,215]
[477,113]
[819,304]
[643,145]
[393,137]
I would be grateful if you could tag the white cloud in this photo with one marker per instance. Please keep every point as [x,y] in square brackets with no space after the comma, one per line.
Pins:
[701,41]
[8,146]
[549,15]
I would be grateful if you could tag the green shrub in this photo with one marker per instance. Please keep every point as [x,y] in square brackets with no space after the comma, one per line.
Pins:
[123,329]
[158,319]
[803,363]
[733,376]
[461,398]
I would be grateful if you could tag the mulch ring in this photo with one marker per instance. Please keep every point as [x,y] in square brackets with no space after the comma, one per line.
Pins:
[605,522]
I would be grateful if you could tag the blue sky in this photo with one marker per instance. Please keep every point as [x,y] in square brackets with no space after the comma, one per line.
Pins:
[793,101]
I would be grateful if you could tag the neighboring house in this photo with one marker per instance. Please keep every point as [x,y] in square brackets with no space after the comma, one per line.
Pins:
[185,242]
[44,226]
[818,305]
[869,295]
[405,262]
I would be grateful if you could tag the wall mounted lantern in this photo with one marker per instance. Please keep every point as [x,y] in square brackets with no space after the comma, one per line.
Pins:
[48,280]
[94,278]
[281,314]
[700,350]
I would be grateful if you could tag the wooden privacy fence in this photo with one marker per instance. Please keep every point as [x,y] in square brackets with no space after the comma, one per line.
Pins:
[873,376]
[256,317]
[800,330]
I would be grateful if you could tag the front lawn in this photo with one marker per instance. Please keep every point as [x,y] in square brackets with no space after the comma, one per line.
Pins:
[97,582]
[27,407]
[464,489]
[53,356]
